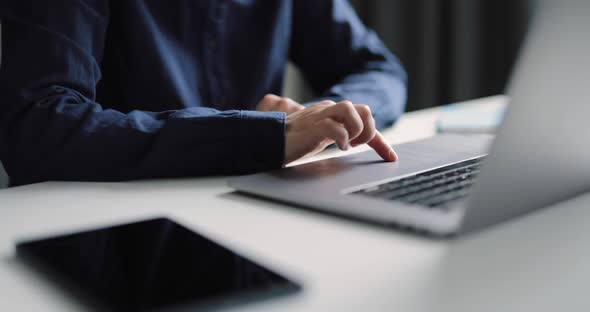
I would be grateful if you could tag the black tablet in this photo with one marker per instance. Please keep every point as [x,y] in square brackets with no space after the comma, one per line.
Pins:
[151,265]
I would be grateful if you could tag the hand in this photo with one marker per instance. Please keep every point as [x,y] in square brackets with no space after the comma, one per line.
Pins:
[275,103]
[311,130]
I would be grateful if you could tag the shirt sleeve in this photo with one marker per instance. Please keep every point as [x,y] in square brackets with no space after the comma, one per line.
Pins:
[343,60]
[52,128]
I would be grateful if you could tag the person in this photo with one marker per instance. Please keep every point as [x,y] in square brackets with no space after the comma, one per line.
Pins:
[110,90]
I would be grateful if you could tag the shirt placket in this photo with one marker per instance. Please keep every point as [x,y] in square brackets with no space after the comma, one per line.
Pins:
[214,46]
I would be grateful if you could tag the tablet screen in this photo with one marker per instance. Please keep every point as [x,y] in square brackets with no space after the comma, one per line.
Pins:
[153,264]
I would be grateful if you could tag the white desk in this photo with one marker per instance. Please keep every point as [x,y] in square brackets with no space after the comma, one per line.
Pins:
[537,263]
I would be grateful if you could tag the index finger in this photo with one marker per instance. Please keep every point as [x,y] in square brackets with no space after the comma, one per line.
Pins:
[380,145]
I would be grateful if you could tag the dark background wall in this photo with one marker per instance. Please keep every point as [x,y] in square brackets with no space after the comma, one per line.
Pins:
[453,50]
[3,177]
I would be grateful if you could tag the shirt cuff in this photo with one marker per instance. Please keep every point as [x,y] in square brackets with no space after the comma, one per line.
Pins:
[261,141]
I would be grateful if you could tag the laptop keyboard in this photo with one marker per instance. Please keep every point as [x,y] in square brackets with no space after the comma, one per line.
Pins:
[435,188]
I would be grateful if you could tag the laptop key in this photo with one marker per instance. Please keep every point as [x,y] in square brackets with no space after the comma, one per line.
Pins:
[435,188]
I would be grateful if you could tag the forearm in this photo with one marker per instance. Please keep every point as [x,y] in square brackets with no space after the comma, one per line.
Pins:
[384,93]
[52,127]
[58,139]
[343,60]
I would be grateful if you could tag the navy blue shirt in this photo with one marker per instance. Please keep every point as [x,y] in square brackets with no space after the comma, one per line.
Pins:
[106,90]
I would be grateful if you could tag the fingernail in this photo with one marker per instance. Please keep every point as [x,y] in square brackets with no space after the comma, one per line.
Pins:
[392,155]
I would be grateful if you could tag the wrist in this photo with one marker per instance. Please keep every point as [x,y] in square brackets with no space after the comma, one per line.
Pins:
[261,140]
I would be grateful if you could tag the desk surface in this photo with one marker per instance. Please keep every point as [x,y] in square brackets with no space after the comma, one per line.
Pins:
[537,263]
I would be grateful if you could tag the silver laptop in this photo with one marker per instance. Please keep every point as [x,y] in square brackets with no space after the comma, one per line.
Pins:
[450,184]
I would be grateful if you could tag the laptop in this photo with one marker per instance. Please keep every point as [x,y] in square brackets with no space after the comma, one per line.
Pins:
[451,184]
